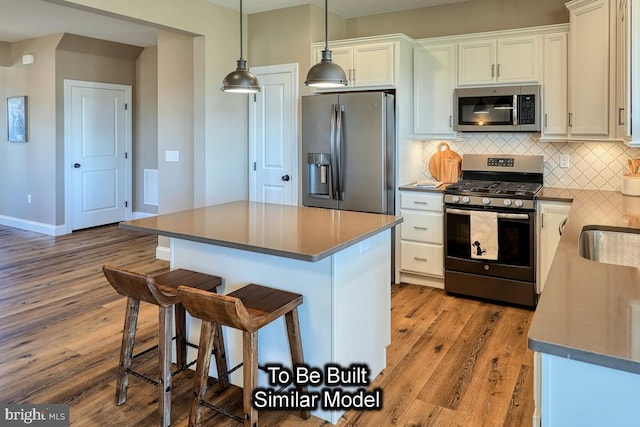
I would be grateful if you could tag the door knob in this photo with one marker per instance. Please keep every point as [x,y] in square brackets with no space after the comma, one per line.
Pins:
[76,165]
[285,177]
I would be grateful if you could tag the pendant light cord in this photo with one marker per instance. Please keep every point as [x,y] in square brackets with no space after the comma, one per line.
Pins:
[326,24]
[241,56]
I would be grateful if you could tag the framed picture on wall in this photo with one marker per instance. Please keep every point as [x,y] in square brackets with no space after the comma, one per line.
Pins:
[17,118]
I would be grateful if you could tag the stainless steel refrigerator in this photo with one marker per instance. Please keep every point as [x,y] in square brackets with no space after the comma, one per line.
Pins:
[348,151]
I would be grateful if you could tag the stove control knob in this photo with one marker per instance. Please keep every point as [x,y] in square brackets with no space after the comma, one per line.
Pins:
[519,203]
[455,199]
[486,201]
[466,199]
[507,202]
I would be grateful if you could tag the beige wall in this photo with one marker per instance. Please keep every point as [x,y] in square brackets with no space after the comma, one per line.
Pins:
[269,44]
[462,18]
[30,168]
[5,54]
[145,109]
[220,126]
[175,101]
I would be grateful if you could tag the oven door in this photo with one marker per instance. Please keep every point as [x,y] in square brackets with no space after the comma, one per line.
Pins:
[516,244]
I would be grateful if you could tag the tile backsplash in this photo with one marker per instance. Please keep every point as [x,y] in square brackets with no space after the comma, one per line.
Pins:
[592,165]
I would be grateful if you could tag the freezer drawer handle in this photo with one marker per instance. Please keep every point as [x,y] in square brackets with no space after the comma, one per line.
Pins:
[420,203]
[420,259]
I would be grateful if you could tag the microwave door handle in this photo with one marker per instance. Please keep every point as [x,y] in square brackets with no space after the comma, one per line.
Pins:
[515,109]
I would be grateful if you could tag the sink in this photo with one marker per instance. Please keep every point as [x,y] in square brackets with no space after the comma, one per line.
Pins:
[610,245]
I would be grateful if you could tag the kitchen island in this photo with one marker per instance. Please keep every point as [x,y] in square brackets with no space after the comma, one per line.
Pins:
[340,261]
[586,329]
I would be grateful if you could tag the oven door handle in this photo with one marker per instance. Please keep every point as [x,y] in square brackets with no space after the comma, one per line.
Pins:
[500,215]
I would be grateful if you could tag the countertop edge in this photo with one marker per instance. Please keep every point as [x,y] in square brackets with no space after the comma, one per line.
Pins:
[579,355]
[259,249]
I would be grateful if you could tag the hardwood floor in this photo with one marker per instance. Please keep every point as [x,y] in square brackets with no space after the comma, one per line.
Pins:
[452,361]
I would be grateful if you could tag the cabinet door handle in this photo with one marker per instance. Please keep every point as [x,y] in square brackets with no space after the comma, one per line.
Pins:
[541,220]
[621,116]
[493,70]
[420,228]
[570,119]
[450,121]
[545,120]
[420,259]
[561,226]
[498,71]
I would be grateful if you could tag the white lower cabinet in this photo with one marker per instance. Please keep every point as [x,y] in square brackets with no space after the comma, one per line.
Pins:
[551,218]
[568,392]
[421,238]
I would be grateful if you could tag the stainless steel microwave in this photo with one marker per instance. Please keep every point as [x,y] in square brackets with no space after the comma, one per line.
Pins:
[497,109]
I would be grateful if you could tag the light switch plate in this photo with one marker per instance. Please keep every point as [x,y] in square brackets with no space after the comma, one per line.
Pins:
[172,156]
[564,161]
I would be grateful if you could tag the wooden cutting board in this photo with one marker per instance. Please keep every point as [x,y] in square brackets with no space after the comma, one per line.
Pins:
[445,164]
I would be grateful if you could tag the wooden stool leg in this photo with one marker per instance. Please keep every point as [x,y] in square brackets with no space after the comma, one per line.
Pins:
[250,373]
[181,336]
[202,371]
[221,357]
[295,345]
[165,322]
[126,349]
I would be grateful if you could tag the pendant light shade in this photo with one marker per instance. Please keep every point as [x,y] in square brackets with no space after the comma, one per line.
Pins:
[241,80]
[326,73]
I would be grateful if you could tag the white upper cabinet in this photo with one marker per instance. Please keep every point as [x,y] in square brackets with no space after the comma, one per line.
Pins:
[367,62]
[589,68]
[554,85]
[623,77]
[505,60]
[434,81]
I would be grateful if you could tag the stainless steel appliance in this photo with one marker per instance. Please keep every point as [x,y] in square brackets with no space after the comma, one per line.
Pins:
[501,109]
[348,151]
[499,189]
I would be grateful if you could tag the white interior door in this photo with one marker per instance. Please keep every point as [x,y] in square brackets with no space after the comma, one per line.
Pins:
[273,125]
[98,126]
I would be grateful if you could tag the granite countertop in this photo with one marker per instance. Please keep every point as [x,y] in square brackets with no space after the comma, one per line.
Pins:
[585,310]
[308,234]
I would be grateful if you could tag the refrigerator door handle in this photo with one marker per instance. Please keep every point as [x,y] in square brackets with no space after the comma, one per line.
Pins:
[332,142]
[339,152]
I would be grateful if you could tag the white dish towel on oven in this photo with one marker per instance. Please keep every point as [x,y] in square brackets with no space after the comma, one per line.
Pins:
[484,235]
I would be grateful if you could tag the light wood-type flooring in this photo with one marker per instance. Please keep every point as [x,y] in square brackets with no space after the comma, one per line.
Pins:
[452,361]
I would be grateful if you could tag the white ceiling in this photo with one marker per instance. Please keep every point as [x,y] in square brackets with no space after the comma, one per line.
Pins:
[25,19]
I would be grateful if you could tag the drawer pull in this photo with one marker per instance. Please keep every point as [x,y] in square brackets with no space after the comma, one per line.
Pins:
[420,203]
[420,259]
[420,228]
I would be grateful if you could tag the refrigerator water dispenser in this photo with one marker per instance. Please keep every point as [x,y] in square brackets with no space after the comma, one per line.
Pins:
[319,174]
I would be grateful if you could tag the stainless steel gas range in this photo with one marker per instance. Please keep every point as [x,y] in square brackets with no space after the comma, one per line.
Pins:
[490,244]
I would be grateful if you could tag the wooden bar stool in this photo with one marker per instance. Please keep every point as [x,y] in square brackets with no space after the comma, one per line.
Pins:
[247,309]
[160,290]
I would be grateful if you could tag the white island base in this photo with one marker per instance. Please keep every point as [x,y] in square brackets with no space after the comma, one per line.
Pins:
[345,317]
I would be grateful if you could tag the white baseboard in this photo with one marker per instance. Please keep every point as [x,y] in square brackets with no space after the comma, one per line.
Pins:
[163,253]
[38,227]
[49,229]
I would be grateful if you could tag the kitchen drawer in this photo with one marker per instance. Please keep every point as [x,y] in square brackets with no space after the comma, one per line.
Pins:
[422,258]
[421,226]
[421,201]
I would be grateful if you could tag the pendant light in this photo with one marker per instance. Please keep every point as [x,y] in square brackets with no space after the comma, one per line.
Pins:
[241,80]
[326,74]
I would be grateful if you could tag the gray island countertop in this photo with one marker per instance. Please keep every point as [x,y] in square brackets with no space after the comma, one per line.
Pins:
[586,311]
[298,232]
